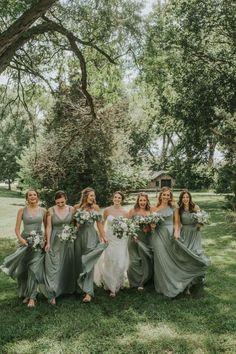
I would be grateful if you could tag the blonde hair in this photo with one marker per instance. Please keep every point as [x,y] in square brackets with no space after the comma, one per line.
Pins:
[84,196]
[142,194]
[171,202]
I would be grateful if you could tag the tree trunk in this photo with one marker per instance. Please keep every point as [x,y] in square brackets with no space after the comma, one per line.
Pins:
[16,31]
[9,184]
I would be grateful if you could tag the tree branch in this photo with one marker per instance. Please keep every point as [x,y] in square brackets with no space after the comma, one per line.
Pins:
[23,23]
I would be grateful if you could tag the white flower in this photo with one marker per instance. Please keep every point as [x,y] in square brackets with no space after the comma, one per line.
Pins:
[35,239]
[68,233]
[84,216]
[123,228]
[201,217]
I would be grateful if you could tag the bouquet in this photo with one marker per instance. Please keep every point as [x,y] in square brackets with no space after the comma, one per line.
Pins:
[124,228]
[35,239]
[201,217]
[84,216]
[144,222]
[155,218]
[68,233]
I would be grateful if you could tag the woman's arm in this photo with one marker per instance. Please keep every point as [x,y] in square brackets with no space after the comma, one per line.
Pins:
[48,230]
[176,224]
[101,231]
[105,215]
[130,214]
[17,228]
[45,225]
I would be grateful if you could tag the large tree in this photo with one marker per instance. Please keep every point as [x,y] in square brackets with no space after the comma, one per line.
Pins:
[189,62]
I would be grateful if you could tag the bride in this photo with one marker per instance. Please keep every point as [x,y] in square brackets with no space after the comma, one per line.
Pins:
[111,268]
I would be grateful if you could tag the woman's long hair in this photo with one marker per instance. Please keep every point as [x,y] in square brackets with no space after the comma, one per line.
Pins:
[142,194]
[84,196]
[27,194]
[181,204]
[171,202]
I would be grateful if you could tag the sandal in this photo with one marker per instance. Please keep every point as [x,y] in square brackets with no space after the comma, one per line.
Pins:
[87,299]
[140,288]
[31,303]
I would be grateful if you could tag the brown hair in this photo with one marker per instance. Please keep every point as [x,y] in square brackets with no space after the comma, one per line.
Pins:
[60,194]
[120,193]
[142,194]
[84,196]
[170,202]
[181,204]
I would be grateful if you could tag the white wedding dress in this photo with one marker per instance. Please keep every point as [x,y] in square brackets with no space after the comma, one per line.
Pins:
[110,271]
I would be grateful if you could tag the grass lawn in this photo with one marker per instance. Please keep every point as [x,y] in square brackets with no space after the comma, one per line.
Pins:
[140,323]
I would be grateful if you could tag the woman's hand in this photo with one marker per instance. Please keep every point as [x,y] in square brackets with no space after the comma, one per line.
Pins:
[176,235]
[47,247]
[22,241]
[153,226]
[198,226]
[103,240]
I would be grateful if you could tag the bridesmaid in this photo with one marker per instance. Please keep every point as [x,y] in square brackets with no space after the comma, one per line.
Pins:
[59,260]
[189,233]
[175,266]
[89,244]
[140,257]
[114,264]
[26,264]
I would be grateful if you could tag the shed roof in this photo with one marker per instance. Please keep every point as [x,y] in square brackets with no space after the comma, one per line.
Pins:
[158,174]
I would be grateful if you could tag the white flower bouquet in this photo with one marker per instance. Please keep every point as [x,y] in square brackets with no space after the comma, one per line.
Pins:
[146,221]
[68,234]
[155,218]
[84,216]
[124,228]
[35,239]
[201,217]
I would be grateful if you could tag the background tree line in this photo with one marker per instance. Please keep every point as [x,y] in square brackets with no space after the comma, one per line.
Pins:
[71,116]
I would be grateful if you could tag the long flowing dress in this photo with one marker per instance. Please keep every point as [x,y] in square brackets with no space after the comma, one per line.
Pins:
[140,268]
[190,236]
[88,249]
[59,276]
[175,266]
[25,265]
[112,267]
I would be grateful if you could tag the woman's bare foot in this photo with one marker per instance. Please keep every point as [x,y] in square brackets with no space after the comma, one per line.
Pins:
[26,300]
[31,303]
[53,301]
[112,294]
[87,299]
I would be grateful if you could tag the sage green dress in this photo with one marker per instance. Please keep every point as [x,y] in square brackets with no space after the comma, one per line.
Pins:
[140,268]
[88,249]
[25,265]
[175,266]
[59,276]
[190,236]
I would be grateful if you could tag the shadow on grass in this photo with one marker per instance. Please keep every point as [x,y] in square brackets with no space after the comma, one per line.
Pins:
[133,322]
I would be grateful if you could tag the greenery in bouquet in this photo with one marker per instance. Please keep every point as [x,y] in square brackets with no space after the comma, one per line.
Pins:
[124,228]
[68,233]
[84,216]
[35,239]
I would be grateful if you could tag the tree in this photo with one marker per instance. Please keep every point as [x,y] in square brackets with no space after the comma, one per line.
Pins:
[77,28]
[189,62]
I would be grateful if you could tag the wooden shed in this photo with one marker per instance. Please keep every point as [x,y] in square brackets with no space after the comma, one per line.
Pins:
[161,179]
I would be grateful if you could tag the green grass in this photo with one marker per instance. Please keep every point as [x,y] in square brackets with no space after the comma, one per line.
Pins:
[142,323]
